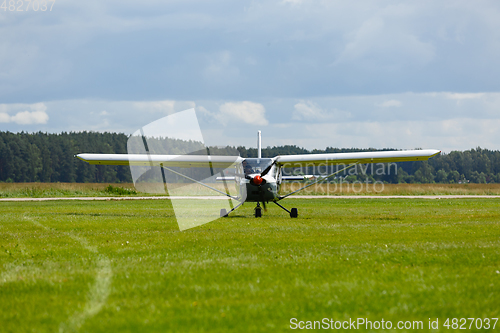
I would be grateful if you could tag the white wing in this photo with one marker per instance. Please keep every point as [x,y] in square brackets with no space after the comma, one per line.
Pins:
[184,161]
[290,161]
[305,160]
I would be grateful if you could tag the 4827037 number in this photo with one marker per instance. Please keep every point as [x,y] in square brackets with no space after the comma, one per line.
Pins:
[470,323]
[27,5]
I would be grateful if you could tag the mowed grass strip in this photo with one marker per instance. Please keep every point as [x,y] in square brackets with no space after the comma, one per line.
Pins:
[396,259]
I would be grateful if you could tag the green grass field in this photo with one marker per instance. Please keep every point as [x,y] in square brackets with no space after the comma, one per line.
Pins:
[118,266]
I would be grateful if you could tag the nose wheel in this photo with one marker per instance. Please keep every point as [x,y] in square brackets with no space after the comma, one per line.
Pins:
[258,210]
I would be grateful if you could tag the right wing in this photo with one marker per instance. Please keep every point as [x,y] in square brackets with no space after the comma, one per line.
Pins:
[306,160]
[301,177]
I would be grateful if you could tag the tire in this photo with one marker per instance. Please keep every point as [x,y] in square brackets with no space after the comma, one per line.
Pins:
[294,213]
[258,212]
[223,212]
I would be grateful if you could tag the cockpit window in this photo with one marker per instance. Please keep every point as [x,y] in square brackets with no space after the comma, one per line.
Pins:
[256,165]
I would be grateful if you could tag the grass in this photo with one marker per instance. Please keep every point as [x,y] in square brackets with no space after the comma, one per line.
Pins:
[40,190]
[43,190]
[124,266]
[395,189]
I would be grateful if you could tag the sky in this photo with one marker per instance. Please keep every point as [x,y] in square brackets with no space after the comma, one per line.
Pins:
[317,74]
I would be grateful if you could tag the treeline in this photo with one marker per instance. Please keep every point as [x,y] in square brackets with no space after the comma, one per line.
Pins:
[43,157]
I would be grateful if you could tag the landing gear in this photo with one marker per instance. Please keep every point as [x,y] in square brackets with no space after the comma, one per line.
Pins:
[258,210]
[293,213]
[225,213]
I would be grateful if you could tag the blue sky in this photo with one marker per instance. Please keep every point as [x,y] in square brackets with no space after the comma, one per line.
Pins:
[312,73]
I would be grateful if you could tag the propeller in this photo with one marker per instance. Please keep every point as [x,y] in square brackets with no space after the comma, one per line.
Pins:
[257,179]
[266,170]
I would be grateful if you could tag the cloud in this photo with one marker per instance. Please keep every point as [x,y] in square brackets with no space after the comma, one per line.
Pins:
[248,51]
[28,118]
[423,120]
[376,42]
[25,118]
[390,103]
[203,111]
[292,2]
[307,110]
[445,135]
[248,112]
[461,96]
[36,116]
[4,118]
[165,106]
[221,68]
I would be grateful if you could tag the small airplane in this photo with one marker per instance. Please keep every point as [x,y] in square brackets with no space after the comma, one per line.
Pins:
[259,179]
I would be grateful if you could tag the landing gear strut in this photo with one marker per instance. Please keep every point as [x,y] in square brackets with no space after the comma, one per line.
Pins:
[258,210]
[293,213]
[225,213]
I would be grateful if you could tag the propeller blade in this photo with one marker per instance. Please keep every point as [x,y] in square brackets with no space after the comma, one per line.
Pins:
[266,170]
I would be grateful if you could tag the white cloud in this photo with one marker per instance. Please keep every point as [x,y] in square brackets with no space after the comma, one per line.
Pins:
[460,96]
[308,110]
[390,103]
[292,2]
[221,68]
[36,116]
[248,112]
[222,50]
[4,118]
[432,120]
[28,118]
[202,110]
[445,135]
[376,42]
[156,106]
[165,106]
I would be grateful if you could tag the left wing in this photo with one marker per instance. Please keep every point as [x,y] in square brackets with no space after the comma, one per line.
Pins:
[306,160]
[184,161]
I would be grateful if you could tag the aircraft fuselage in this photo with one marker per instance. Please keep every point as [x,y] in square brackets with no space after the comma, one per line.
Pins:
[265,192]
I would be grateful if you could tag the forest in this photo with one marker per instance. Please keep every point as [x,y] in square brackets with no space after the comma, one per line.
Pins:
[46,157]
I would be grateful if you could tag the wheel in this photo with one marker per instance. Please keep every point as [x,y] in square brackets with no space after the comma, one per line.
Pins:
[294,213]
[258,212]
[223,212]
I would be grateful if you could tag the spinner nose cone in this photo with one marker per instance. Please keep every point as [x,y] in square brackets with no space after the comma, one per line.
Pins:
[257,180]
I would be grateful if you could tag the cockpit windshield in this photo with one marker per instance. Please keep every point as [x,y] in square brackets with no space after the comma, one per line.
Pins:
[256,165]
